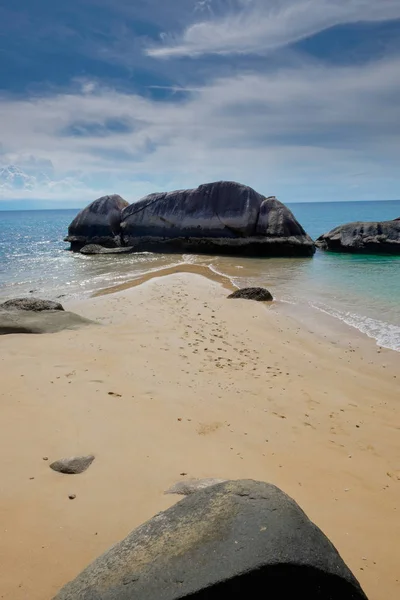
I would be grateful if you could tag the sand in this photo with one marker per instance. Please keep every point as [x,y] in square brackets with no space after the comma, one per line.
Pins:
[177,382]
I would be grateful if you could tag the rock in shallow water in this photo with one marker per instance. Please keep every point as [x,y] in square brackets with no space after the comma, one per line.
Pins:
[363,237]
[239,539]
[72,465]
[220,218]
[253,293]
[90,249]
[32,304]
[98,223]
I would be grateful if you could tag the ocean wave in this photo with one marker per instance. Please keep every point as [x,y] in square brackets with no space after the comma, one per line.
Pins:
[386,334]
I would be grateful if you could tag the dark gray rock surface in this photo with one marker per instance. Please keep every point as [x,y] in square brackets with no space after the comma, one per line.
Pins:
[28,321]
[72,465]
[98,223]
[253,293]
[218,218]
[90,249]
[369,237]
[235,540]
[33,304]
[190,486]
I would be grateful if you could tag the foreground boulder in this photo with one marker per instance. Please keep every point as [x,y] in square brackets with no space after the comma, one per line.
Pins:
[33,304]
[253,293]
[73,465]
[32,315]
[369,237]
[185,487]
[235,540]
[216,218]
[98,223]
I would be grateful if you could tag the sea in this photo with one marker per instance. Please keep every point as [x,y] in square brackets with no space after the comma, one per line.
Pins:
[362,291]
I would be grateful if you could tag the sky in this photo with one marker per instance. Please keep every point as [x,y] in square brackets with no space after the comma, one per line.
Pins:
[296,98]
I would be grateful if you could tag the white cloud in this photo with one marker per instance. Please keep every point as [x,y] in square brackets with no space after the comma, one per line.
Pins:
[293,132]
[257,26]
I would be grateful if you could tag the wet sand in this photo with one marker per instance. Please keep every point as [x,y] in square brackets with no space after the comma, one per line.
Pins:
[180,382]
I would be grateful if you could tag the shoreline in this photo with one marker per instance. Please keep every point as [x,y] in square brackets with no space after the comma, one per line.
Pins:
[203,270]
[326,324]
[177,383]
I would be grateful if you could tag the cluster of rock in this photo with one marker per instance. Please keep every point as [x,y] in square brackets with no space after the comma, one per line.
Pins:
[217,218]
[235,539]
[363,237]
[221,217]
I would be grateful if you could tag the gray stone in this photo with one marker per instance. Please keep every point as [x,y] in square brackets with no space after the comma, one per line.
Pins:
[190,486]
[253,293]
[218,218]
[28,321]
[236,540]
[374,237]
[33,304]
[72,465]
[98,223]
[97,249]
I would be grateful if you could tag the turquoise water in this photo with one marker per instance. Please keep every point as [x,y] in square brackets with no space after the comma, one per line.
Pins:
[363,291]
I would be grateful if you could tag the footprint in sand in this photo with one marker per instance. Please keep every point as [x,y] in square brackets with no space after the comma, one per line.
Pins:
[207,428]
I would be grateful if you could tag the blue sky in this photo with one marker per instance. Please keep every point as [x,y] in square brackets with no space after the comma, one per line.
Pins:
[297,98]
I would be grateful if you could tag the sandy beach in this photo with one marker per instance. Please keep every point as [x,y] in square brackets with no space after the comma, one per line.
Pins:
[173,382]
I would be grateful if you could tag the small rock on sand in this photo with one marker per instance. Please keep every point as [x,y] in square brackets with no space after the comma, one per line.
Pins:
[253,293]
[73,465]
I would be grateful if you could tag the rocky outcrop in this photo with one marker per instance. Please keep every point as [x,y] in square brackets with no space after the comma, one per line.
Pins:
[90,249]
[98,223]
[32,315]
[33,304]
[236,540]
[369,237]
[253,293]
[73,465]
[217,218]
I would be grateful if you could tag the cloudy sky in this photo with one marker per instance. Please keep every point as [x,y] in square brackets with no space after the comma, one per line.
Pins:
[297,98]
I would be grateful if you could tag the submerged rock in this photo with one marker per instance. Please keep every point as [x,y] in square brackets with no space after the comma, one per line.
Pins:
[73,465]
[98,223]
[218,218]
[253,293]
[363,237]
[239,539]
[90,249]
[32,304]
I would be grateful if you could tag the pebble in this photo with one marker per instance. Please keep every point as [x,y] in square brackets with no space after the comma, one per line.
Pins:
[45,458]
[72,496]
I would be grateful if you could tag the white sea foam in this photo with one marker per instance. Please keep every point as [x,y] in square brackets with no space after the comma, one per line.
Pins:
[386,334]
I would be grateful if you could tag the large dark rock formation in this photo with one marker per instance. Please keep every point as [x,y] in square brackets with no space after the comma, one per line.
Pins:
[235,540]
[370,237]
[98,223]
[216,218]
